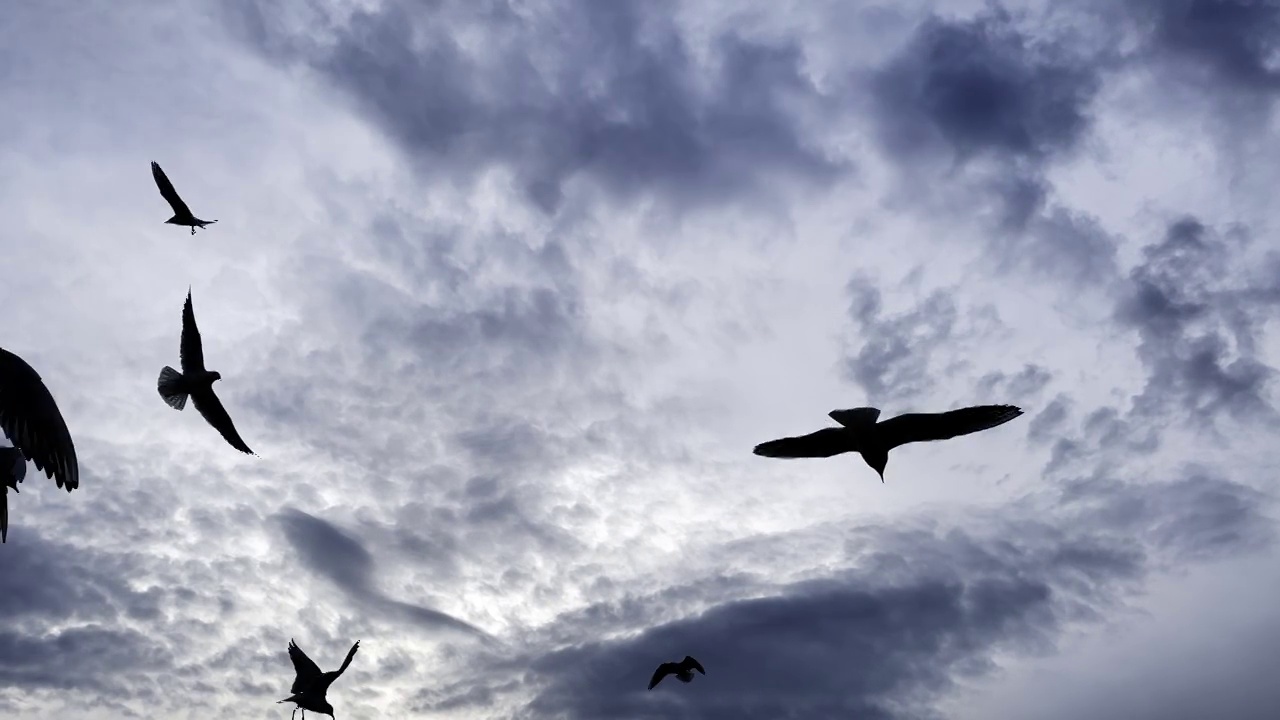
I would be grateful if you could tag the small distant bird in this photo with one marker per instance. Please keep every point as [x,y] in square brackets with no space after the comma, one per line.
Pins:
[197,382]
[873,440]
[181,213]
[32,422]
[310,685]
[683,670]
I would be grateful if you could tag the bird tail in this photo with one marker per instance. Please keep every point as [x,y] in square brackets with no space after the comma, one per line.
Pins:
[170,387]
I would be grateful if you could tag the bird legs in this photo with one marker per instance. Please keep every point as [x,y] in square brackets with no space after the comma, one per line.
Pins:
[193,229]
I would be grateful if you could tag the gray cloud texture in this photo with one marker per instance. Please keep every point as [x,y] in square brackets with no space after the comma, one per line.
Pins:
[503,293]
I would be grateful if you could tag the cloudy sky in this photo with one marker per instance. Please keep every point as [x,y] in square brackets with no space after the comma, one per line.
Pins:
[503,292]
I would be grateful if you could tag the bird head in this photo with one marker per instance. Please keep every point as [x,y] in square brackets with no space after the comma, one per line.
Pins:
[215,376]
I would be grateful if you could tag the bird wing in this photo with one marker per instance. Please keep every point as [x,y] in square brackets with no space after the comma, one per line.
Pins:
[166,189]
[192,350]
[855,417]
[306,669]
[689,662]
[919,427]
[31,420]
[823,443]
[11,475]
[216,415]
[663,670]
[333,675]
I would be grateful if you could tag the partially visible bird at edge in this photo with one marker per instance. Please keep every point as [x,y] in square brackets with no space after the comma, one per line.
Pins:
[181,213]
[197,382]
[683,670]
[32,422]
[860,433]
[310,684]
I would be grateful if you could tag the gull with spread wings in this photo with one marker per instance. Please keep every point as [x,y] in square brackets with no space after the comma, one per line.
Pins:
[181,213]
[310,685]
[683,670]
[197,382]
[32,422]
[860,433]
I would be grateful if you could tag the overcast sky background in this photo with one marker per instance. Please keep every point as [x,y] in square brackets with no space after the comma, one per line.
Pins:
[504,292]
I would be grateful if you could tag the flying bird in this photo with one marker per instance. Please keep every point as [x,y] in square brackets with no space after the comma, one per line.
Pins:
[310,685]
[197,382]
[32,422]
[683,670]
[181,213]
[861,433]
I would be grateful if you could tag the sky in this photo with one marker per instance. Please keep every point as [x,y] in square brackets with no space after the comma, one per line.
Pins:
[503,293]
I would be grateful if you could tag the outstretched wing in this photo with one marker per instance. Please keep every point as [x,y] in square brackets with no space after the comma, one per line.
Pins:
[192,350]
[920,427]
[823,443]
[32,422]
[690,663]
[216,415]
[308,672]
[166,189]
[855,417]
[331,676]
[663,670]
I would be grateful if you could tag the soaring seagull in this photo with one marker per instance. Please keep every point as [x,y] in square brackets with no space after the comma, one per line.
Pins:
[861,433]
[310,684]
[197,382]
[181,213]
[683,670]
[32,422]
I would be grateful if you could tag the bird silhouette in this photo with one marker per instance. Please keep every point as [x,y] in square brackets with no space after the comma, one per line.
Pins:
[861,433]
[181,213]
[196,381]
[683,670]
[32,422]
[310,685]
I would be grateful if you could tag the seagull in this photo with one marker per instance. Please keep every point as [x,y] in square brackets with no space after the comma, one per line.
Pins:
[873,440]
[310,684]
[197,382]
[683,670]
[181,213]
[32,422]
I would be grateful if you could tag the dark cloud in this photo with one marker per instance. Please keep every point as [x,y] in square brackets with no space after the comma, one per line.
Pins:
[973,112]
[897,357]
[1218,44]
[1024,384]
[983,87]
[610,91]
[327,551]
[1199,326]
[892,633]
[67,613]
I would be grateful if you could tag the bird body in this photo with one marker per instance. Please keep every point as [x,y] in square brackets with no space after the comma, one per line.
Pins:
[196,382]
[181,213]
[31,420]
[683,671]
[310,684]
[861,433]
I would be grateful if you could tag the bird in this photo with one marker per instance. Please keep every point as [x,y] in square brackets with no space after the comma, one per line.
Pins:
[196,381]
[860,433]
[181,213]
[310,685]
[32,422]
[683,670]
